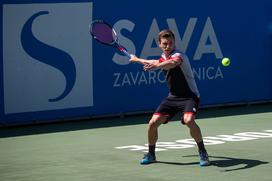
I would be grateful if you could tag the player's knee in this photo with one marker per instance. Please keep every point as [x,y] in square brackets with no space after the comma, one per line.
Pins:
[154,123]
[191,124]
[188,120]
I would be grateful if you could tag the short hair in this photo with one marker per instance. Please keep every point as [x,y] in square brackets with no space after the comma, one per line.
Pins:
[166,34]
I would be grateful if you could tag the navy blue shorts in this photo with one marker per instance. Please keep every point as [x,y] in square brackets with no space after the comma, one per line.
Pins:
[170,106]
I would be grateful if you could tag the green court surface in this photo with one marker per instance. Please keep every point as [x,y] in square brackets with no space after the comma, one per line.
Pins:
[87,150]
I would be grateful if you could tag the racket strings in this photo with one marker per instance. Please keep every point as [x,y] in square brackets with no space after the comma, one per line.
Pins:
[103,33]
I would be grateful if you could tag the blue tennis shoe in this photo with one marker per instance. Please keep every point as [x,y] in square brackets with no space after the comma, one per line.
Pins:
[147,159]
[204,159]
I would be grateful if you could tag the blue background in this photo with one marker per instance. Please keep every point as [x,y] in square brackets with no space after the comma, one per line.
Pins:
[244,34]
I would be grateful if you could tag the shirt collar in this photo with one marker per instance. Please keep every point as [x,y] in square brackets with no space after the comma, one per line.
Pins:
[163,55]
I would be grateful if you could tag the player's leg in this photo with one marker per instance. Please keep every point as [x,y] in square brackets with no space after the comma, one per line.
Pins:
[189,114]
[162,115]
[152,129]
[195,132]
[189,120]
[190,111]
[152,137]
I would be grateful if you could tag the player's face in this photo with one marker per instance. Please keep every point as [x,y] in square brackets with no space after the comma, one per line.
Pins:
[167,44]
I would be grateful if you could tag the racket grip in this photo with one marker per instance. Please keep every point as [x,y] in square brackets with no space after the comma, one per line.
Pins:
[125,52]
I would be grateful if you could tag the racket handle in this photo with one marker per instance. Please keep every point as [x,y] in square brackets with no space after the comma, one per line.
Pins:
[124,51]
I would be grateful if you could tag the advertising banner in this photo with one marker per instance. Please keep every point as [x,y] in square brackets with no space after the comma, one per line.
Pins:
[51,69]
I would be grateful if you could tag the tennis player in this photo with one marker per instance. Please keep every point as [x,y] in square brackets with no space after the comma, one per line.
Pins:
[183,95]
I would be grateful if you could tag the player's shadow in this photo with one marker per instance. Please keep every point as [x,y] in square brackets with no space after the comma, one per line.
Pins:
[224,162]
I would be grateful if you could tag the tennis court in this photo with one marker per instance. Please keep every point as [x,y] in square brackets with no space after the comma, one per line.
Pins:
[100,149]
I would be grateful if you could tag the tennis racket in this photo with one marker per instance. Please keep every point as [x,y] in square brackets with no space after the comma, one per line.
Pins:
[105,34]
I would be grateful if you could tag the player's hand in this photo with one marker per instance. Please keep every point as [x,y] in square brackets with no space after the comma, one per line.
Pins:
[149,66]
[133,58]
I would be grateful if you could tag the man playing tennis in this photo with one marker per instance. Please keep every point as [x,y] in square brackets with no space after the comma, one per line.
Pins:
[183,95]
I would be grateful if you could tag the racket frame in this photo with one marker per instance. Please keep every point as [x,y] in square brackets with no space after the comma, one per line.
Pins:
[115,43]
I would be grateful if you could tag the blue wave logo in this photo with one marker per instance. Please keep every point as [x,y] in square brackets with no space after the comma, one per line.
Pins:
[49,55]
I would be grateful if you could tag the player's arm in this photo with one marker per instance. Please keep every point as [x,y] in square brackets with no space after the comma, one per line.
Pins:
[135,59]
[169,64]
[166,65]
